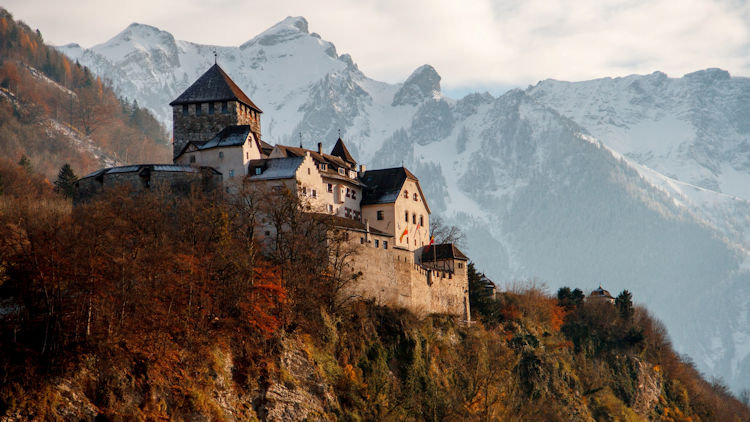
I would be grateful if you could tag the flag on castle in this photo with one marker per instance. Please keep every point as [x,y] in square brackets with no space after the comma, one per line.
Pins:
[406,231]
[432,240]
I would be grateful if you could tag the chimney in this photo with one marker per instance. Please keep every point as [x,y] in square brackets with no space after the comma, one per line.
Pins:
[320,148]
[367,230]
[362,170]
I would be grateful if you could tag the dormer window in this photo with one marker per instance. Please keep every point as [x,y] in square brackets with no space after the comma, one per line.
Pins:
[258,170]
[342,171]
[323,167]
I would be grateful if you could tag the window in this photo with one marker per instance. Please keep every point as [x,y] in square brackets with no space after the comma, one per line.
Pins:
[380,214]
[377,243]
[460,265]
[258,170]
[308,171]
[414,218]
[192,159]
[184,109]
[231,172]
[342,172]
[198,109]
[276,188]
[362,240]
[330,208]
[323,167]
[348,193]
[330,188]
[304,190]
[406,216]
[354,194]
[224,107]
[421,221]
[415,197]
[210,108]
[385,244]
[314,193]
[406,194]
[221,155]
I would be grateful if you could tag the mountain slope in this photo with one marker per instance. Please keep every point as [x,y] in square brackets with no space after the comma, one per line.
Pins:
[636,183]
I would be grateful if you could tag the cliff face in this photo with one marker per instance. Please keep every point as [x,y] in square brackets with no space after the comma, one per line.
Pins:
[380,364]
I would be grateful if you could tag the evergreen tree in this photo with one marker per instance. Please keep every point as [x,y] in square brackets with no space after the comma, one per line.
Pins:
[65,180]
[481,301]
[25,163]
[570,299]
[624,303]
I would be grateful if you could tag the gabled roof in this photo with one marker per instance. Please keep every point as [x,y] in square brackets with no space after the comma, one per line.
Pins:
[278,168]
[442,251]
[333,163]
[340,150]
[384,185]
[214,85]
[230,136]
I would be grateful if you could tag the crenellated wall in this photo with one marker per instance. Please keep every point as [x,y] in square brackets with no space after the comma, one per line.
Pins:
[393,278]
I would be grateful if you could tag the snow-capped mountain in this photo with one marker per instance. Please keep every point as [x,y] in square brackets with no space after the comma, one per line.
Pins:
[638,183]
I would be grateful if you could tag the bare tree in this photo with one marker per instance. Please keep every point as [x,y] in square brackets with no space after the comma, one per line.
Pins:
[446,234]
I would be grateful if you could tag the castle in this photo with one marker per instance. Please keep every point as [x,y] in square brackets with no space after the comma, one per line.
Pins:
[217,141]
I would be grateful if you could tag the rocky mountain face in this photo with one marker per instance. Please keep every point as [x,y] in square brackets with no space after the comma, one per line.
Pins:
[638,183]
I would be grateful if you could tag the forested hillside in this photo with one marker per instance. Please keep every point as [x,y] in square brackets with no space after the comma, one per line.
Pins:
[156,307]
[55,111]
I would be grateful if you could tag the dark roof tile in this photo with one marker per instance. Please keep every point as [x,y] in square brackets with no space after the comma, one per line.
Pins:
[214,85]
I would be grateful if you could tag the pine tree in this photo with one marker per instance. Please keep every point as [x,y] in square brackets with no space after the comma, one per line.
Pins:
[65,180]
[624,303]
[25,163]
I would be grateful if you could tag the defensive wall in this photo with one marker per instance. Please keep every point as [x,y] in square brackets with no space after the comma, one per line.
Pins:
[394,277]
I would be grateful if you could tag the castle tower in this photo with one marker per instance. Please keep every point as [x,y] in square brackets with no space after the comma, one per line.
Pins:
[210,104]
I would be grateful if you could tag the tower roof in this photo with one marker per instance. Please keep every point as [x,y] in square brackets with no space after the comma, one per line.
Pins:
[214,85]
[339,150]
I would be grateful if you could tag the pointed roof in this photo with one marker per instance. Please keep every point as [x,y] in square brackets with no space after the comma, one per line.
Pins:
[384,185]
[214,85]
[339,150]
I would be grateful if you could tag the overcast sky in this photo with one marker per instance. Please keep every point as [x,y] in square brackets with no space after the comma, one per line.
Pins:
[472,43]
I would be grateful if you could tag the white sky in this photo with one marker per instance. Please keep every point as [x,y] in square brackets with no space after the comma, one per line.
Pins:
[472,43]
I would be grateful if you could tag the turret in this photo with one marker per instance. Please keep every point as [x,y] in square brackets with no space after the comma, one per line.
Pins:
[209,105]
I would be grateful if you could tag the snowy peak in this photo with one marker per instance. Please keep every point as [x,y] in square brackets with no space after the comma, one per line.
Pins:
[422,84]
[708,76]
[288,29]
[145,40]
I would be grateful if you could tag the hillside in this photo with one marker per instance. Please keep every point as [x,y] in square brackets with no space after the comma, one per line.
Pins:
[638,182]
[95,326]
[55,111]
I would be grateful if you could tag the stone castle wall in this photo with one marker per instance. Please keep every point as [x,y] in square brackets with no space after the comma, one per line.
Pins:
[193,127]
[176,182]
[392,277]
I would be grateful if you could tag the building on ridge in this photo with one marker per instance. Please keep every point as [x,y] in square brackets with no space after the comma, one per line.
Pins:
[217,140]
